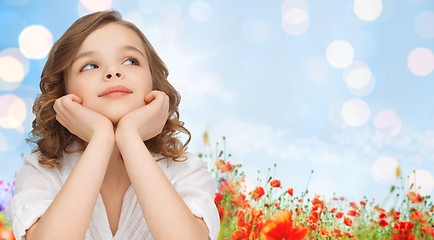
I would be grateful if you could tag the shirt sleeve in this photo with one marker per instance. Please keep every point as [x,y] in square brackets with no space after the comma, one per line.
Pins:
[34,193]
[197,188]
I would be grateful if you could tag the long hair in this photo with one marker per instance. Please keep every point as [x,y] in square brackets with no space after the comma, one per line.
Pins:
[51,139]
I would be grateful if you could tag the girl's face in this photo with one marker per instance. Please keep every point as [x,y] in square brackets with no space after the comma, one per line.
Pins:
[110,72]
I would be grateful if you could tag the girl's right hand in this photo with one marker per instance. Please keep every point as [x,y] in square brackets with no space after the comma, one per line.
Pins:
[79,120]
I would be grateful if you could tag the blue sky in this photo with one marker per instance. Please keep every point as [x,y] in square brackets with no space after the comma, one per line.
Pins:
[343,88]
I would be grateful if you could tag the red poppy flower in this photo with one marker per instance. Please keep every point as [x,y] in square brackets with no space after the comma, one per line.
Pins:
[349,235]
[277,205]
[291,191]
[339,215]
[403,231]
[257,193]
[239,235]
[354,205]
[317,201]
[227,187]
[417,216]
[221,210]
[224,166]
[353,213]
[275,183]
[313,217]
[333,210]
[426,229]
[414,197]
[280,226]
[315,208]
[383,223]
[239,200]
[336,233]
[218,197]
[348,222]
[314,227]
[324,232]
[362,203]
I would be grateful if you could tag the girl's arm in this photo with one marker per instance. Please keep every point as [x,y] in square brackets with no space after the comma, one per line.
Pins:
[69,215]
[166,214]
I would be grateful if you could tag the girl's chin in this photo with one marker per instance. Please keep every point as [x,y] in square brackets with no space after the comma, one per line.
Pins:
[114,118]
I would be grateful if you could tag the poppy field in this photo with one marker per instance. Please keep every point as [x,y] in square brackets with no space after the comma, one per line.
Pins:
[271,210]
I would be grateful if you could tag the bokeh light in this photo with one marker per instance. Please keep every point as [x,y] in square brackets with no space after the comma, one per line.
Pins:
[340,54]
[359,78]
[16,53]
[424,24]
[422,181]
[355,112]
[97,5]
[368,10]
[35,41]
[200,11]
[387,123]
[295,18]
[384,169]
[11,70]
[421,61]
[12,111]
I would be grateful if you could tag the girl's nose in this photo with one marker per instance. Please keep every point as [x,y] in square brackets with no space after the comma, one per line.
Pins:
[109,76]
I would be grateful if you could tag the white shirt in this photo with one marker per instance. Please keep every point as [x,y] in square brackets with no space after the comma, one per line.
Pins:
[36,187]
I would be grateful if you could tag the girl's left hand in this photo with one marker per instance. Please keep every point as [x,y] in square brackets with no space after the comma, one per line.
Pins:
[147,121]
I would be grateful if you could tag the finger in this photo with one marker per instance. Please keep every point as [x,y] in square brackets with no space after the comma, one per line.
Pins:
[72,103]
[150,97]
[76,99]
[154,95]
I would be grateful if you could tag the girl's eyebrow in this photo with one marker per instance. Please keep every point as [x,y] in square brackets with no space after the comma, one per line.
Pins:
[129,47]
[126,47]
[81,55]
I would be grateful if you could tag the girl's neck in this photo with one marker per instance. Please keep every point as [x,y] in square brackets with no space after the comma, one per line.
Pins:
[116,172]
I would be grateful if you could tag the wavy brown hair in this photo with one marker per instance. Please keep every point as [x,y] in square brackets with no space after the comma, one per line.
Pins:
[51,139]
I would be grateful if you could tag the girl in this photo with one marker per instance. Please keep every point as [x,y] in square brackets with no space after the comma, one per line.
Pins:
[107,163]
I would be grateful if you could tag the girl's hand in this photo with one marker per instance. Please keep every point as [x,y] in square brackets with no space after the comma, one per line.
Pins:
[79,120]
[147,121]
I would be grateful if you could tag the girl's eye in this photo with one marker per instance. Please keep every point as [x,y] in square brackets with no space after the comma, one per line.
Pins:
[131,61]
[89,66]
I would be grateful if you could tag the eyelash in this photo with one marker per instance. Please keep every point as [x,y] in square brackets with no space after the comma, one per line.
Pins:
[132,59]
[87,64]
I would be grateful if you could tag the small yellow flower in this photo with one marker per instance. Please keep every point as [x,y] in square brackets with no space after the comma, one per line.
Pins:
[205,137]
[398,171]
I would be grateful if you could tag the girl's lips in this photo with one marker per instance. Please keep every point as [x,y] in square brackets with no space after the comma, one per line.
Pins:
[116,91]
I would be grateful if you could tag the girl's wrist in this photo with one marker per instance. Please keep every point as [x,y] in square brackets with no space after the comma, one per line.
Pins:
[124,135]
[104,135]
